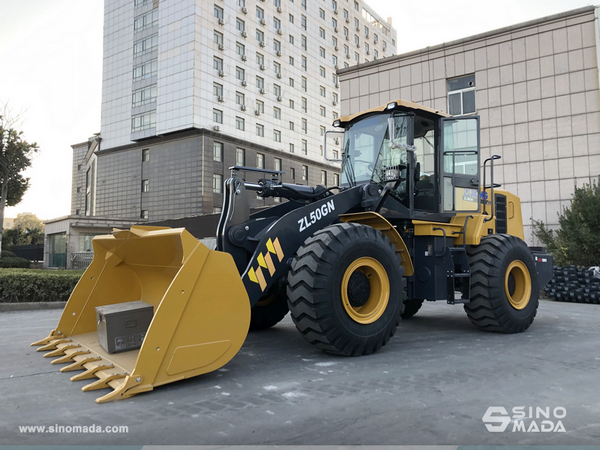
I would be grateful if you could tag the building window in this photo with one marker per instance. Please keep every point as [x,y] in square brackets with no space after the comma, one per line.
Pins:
[240,99]
[304,84]
[260,37]
[303,22]
[145,155]
[260,106]
[218,38]
[304,146]
[88,192]
[260,60]
[143,121]
[461,95]
[240,49]
[324,177]
[356,7]
[303,42]
[291,148]
[323,91]
[336,179]
[145,45]
[292,104]
[322,131]
[304,173]
[260,13]
[144,214]
[321,13]
[218,151]
[291,60]
[145,185]
[260,161]
[260,130]
[277,90]
[292,173]
[218,12]
[217,116]
[277,113]
[217,63]
[277,135]
[291,18]
[276,45]
[304,104]
[217,209]
[240,157]
[304,126]
[145,70]
[277,68]
[322,72]
[217,90]
[291,82]
[276,23]
[217,183]
[321,52]
[240,25]
[277,164]
[323,111]
[240,73]
[240,124]
[260,83]
[321,33]
[291,126]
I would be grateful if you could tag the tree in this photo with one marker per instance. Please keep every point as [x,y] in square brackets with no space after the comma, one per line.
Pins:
[15,156]
[577,240]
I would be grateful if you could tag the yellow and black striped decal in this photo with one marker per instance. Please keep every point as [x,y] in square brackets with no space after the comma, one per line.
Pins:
[265,261]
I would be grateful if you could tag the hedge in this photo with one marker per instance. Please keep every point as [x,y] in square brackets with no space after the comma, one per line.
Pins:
[27,285]
[16,262]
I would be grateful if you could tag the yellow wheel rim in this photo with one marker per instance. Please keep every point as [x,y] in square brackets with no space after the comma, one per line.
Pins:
[517,284]
[379,293]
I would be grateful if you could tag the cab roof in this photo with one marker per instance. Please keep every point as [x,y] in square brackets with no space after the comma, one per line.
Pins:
[399,103]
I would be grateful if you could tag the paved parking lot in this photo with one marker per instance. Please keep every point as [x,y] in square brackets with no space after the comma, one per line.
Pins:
[432,384]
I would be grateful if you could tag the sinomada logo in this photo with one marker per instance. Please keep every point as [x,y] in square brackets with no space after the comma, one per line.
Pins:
[527,419]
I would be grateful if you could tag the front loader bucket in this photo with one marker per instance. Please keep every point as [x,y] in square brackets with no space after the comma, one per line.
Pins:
[201,311]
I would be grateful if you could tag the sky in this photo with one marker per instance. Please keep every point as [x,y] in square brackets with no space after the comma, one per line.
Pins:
[51,70]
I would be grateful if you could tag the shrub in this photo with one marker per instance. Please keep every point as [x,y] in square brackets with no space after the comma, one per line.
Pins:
[16,262]
[577,241]
[21,285]
[8,254]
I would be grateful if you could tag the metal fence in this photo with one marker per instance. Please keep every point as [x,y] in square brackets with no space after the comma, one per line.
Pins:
[33,252]
[81,260]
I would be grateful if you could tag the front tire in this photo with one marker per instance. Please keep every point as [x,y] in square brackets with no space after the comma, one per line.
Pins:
[504,294]
[345,289]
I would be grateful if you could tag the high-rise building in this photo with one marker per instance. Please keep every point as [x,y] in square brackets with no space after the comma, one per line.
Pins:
[199,86]
[192,87]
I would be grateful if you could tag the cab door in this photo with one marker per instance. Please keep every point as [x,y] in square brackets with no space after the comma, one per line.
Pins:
[459,160]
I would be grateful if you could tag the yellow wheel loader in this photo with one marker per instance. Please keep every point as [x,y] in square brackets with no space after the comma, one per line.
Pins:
[410,222]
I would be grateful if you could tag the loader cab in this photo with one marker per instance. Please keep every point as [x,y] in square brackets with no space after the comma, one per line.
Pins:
[422,159]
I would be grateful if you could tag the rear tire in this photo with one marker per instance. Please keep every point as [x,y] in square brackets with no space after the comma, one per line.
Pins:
[268,311]
[345,289]
[411,307]
[504,294]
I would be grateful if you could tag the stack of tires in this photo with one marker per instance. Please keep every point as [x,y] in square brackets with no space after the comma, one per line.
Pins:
[570,284]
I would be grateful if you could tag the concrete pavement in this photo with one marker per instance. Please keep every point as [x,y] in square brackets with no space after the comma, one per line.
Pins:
[431,384]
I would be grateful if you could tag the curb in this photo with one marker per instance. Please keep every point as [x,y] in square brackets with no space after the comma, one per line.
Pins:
[31,306]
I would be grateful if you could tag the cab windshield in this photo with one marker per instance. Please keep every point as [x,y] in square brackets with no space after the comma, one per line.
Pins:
[368,150]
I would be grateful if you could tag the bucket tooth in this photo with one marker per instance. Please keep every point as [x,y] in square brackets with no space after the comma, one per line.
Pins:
[52,345]
[78,365]
[61,351]
[69,357]
[91,372]
[102,383]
